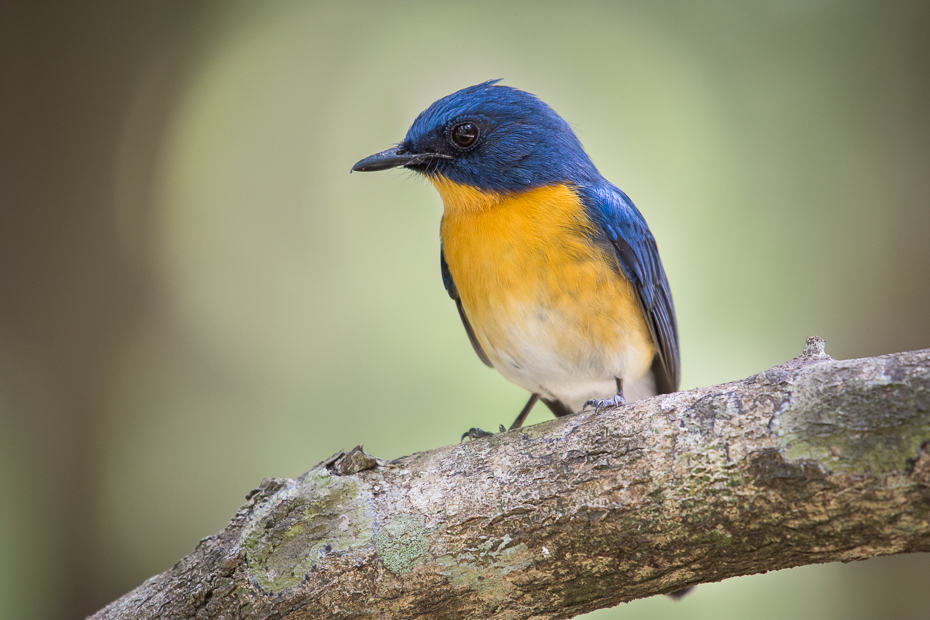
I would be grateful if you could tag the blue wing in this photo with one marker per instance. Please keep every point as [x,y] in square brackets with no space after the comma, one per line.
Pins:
[454,294]
[624,229]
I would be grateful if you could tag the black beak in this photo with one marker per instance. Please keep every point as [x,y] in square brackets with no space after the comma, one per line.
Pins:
[395,157]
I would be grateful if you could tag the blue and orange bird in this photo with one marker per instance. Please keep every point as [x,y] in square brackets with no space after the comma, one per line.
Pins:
[556,275]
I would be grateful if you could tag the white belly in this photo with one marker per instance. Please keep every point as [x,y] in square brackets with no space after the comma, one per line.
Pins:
[551,356]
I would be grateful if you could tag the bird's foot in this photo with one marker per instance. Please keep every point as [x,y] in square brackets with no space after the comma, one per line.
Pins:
[477,433]
[598,404]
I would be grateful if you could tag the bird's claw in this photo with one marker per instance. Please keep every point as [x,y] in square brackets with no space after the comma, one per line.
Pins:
[598,404]
[474,433]
[477,433]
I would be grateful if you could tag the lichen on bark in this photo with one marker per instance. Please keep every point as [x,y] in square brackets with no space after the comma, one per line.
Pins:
[294,529]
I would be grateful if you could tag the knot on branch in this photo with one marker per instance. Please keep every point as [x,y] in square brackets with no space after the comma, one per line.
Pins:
[815,347]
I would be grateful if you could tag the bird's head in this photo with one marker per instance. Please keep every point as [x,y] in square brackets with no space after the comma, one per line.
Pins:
[490,137]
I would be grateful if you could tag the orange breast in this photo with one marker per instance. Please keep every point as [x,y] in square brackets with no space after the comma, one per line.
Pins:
[539,294]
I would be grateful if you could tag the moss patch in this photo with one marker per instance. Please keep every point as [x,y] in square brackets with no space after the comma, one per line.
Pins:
[302,524]
[402,543]
[842,428]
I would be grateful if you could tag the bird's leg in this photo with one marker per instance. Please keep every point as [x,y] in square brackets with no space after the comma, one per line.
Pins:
[525,412]
[616,401]
[477,433]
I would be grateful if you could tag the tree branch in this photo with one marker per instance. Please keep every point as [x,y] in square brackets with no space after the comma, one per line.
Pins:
[813,461]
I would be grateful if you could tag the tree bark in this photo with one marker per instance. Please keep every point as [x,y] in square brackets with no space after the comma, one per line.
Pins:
[812,461]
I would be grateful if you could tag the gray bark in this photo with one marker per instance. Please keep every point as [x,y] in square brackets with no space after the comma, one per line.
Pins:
[812,461]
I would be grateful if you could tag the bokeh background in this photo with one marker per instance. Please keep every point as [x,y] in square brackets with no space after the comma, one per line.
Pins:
[195,293]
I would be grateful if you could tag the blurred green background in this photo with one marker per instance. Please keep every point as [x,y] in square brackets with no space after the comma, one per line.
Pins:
[195,293]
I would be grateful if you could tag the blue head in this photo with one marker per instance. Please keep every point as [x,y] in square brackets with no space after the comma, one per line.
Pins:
[491,137]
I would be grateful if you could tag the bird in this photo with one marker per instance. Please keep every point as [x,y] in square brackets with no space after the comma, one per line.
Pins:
[555,274]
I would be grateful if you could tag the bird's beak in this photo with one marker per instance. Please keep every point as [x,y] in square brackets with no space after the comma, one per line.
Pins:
[395,157]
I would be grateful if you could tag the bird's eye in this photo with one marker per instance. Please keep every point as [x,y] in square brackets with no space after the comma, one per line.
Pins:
[464,134]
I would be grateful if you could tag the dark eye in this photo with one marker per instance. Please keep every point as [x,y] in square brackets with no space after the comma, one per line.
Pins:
[464,134]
